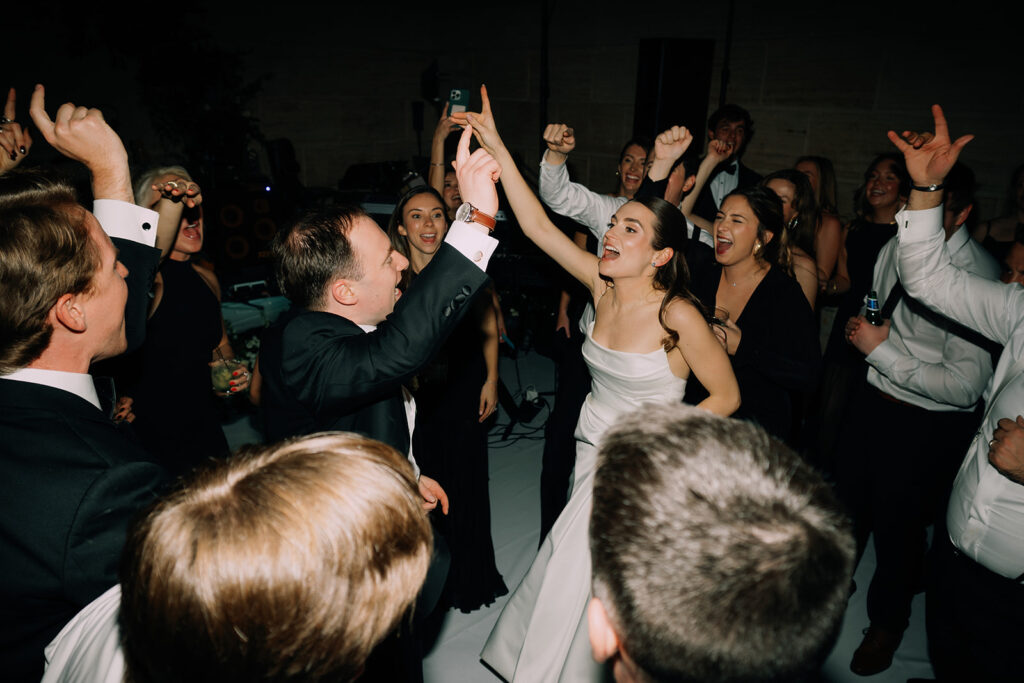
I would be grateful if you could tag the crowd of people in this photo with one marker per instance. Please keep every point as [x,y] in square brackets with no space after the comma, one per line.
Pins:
[714,541]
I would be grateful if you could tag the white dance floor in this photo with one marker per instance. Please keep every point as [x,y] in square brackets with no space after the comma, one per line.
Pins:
[515,520]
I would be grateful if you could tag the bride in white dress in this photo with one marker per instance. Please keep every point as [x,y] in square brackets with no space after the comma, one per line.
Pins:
[647,335]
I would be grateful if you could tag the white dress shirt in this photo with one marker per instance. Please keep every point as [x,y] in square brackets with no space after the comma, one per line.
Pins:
[924,362]
[589,208]
[986,510]
[78,383]
[723,183]
[88,648]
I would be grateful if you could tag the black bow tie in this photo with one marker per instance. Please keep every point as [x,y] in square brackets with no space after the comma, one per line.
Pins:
[731,168]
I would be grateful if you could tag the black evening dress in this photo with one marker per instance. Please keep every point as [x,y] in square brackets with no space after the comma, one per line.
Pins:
[176,413]
[845,370]
[450,445]
[778,358]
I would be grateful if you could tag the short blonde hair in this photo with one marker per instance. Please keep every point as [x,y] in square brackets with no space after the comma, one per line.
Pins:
[285,563]
[144,183]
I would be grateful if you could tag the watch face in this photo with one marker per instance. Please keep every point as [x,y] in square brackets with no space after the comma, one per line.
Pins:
[463,212]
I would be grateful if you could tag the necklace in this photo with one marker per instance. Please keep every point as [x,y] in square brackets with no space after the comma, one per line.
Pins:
[748,276]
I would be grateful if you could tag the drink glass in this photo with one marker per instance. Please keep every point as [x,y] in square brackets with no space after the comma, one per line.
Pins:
[718,320]
[222,371]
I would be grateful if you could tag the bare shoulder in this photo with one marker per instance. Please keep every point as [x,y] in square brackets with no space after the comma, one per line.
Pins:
[680,314]
[209,278]
[830,223]
[802,260]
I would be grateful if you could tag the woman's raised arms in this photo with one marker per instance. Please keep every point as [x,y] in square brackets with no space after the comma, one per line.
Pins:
[529,212]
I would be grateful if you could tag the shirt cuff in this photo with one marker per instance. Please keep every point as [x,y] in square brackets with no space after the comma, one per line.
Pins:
[883,357]
[918,226]
[126,221]
[471,243]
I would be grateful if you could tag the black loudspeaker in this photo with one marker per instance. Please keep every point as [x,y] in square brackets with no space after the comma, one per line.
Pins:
[673,82]
[240,226]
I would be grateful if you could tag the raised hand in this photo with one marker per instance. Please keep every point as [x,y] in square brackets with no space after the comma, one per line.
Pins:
[15,141]
[719,151]
[668,147]
[178,189]
[77,132]
[83,135]
[484,130]
[445,126]
[560,138]
[477,173]
[930,156]
[671,144]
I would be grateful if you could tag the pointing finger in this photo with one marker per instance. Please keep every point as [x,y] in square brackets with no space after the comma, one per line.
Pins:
[485,108]
[37,110]
[9,109]
[462,153]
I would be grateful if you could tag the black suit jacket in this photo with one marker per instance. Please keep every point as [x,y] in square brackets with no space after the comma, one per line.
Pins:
[321,371]
[142,263]
[706,207]
[72,482]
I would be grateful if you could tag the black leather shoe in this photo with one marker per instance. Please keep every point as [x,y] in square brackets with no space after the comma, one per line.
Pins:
[876,650]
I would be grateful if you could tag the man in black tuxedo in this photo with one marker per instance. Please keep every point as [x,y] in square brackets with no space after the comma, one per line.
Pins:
[73,479]
[338,360]
[731,124]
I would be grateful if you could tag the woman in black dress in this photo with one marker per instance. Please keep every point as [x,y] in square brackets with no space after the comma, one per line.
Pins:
[764,320]
[176,413]
[455,394]
[885,190]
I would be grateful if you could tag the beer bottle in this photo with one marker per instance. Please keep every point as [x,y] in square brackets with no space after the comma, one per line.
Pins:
[873,314]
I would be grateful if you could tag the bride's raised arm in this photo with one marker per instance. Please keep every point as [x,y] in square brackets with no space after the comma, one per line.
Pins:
[581,264]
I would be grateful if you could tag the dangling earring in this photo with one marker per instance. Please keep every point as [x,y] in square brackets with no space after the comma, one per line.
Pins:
[793,222]
[757,248]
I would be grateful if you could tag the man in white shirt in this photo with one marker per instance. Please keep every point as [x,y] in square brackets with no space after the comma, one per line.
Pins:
[907,430]
[74,480]
[975,599]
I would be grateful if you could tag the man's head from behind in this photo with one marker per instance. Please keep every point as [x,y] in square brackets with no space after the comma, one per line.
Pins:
[61,285]
[339,260]
[285,563]
[718,554]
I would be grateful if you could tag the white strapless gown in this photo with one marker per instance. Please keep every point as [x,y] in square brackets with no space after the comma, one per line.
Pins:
[541,634]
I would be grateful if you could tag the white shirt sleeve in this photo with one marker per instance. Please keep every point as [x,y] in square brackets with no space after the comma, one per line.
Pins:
[957,380]
[928,275]
[127,221]
[472,243]
[575,201]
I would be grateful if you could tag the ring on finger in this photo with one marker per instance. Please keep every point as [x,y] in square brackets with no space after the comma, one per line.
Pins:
[991,443]
[4,119]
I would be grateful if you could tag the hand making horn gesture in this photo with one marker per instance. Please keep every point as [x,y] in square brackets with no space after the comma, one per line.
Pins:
[929,156]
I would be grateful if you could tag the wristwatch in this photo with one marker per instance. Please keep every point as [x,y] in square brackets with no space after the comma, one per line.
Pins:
[468,213]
